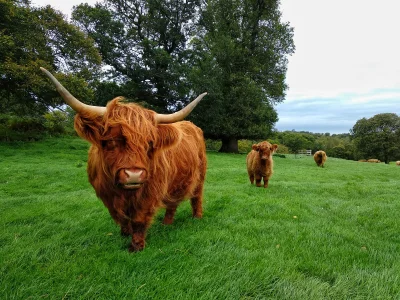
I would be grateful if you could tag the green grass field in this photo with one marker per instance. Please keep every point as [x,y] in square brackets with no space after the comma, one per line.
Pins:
[315,233]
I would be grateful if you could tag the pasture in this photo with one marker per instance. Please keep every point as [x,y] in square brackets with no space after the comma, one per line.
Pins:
[315,233]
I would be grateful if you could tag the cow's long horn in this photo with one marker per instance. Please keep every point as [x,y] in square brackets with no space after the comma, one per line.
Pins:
[75,104]
[179,115]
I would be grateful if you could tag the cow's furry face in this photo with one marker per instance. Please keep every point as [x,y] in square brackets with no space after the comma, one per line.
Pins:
[265,149]
[128,138]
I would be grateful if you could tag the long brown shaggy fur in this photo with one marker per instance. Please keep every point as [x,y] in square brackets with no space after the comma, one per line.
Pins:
[260,163]
[398,163]
[173,158]
[320,158]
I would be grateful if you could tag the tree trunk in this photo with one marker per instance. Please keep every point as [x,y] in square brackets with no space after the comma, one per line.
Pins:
[229,145]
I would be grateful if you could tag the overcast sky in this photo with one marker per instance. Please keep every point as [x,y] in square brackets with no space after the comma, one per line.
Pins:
[346,65]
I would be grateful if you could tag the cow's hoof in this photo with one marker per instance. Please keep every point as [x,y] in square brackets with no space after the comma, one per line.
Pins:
[136,247]
[198,216]
[168,221]
[125,232]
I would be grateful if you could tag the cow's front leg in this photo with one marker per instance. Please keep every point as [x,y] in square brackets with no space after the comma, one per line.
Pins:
[139,224]
[138,236]
[265,182]
[258,180]
[251,177]
[125,231]
[169,215]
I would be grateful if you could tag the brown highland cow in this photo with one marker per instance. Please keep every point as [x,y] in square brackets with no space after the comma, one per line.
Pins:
[259,162]
[320,158]
[373,160]
[140,161]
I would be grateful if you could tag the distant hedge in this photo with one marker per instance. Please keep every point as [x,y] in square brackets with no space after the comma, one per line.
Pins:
[27,128]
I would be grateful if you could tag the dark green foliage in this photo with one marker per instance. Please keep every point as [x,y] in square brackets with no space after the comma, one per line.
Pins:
[378,137]
[26,128]
[295,141]
[240,58]
[13,128]
[33,37]
[145,43]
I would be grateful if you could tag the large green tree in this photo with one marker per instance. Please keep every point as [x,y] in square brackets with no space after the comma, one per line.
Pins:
[32,37]
[145,43]
[240,58]
[378,137]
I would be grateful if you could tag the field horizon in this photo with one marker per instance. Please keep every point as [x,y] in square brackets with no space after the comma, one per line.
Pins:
[314,233]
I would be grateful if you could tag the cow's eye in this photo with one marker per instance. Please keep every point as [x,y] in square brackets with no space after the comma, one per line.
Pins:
[150,149]
[111,144]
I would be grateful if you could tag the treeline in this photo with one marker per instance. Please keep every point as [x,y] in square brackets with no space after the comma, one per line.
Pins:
[377,137]
[160,53]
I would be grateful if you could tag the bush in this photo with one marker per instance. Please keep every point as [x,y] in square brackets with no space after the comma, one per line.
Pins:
[27,128]
[58,122]
[14,128]
[282,149]
[244,146]
[213,145]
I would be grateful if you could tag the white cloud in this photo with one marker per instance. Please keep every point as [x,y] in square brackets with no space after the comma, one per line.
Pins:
[343,46]
[384,96]
[346,65]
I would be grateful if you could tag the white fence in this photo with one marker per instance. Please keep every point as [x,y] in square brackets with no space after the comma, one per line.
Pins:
[306,152]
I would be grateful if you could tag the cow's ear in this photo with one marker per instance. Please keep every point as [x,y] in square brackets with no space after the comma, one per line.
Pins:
[168,136]
[274,147]
[255,147]
[88,128]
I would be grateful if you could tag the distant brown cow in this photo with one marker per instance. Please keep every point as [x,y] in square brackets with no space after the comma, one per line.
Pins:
[398,163]
[260,163]
[140,161]
[320,158]
[373,160]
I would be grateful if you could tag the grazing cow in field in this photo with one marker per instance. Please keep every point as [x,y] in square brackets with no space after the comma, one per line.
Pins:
[259,162]
[373,160]
[140,161]
[320,158]
[398,163]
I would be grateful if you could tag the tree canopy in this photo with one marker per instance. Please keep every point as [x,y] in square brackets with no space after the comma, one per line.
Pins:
[378,137]
[34,37]
[240,57]
[145,44]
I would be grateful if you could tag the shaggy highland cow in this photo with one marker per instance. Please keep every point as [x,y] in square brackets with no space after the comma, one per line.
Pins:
[259,162]
[140,161]
[398,163]
[320,158]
